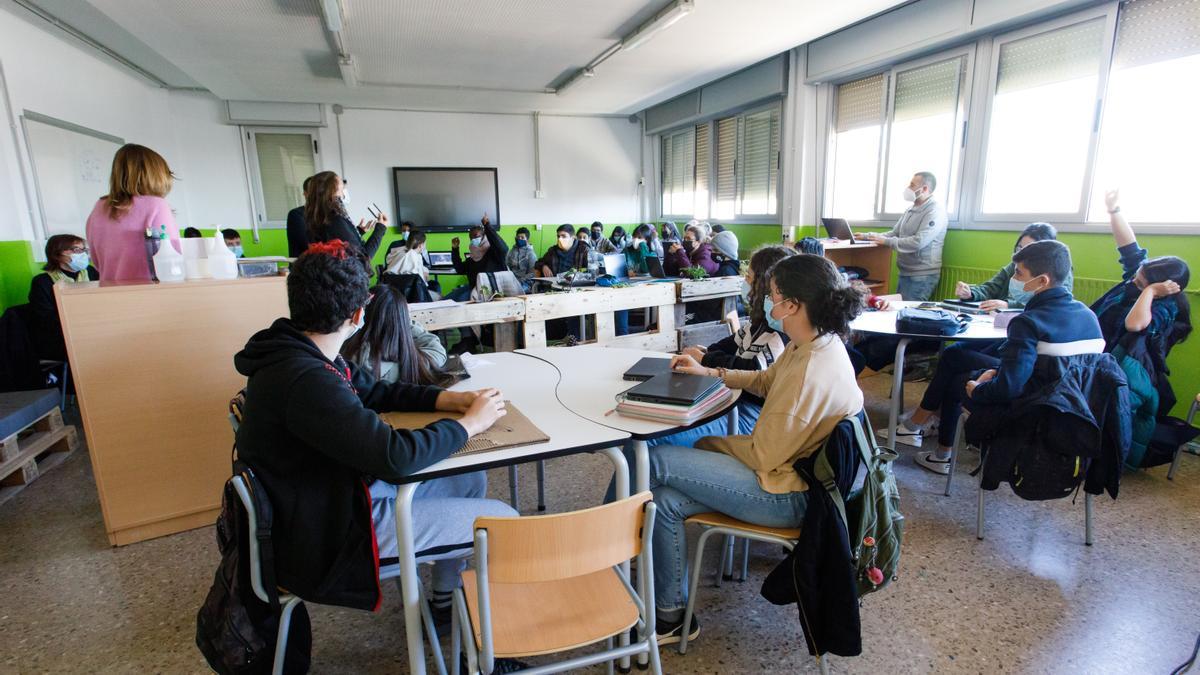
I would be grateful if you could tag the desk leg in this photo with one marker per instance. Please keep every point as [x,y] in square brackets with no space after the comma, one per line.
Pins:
[409,581]
[897,392]
[621,477]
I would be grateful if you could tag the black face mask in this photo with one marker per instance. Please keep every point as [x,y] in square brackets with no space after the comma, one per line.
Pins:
[597,236]
[688,245]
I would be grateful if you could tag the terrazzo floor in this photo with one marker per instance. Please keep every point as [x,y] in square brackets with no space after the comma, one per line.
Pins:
[1031,598]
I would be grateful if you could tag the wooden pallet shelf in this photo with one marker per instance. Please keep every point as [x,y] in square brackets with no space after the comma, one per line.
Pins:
[34,450]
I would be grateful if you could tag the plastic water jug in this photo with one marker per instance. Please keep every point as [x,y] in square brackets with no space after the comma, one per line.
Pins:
[222,263]
[168,263]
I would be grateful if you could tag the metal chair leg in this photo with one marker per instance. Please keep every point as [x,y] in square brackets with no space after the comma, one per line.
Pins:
[455,641]
[823,664]
[745,559]
[1179,451]
[1087,519]
[725,569]
[610,665]
[959,444]
[432,635]
[513,493]
[694,585]
[541,477]
[979,511]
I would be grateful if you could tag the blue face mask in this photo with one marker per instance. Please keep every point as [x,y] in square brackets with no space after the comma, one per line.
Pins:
[477,241]
[772,323]
[522,243]
[79,262]
[745,290]
[1017,292]
[237,251]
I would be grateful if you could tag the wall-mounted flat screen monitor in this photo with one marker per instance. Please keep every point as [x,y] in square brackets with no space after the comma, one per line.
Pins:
[445,199]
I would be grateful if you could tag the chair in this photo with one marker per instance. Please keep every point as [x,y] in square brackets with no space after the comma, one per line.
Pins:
[1191,416]
[546,584]
[287,601]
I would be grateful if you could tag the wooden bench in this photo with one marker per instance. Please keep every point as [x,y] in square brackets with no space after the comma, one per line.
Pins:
[34,438]
[503,313]
[603,302]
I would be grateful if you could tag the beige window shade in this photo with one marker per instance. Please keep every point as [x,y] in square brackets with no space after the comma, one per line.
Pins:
[1150,31]
[702,170]
[727,133]
[1059,55]
[284,161]
[861,103]
[678,178]
[758,162]
[929,90]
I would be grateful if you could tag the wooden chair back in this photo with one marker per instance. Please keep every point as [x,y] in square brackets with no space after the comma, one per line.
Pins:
[564,545]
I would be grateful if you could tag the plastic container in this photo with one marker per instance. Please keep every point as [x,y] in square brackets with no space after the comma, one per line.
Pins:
[168,263]
[222,263]
[257,268]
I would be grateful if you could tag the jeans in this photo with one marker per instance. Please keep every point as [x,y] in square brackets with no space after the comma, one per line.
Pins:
[747,416]
[948,386]
[444,512]
[460,294]
[917,287]
[685,482]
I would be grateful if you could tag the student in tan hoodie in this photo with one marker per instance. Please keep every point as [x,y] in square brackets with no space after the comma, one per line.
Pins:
[807,391]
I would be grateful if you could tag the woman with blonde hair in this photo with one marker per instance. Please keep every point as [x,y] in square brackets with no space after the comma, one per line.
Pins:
[136,202]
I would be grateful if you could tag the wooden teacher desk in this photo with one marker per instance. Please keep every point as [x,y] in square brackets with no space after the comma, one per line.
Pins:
[153,375]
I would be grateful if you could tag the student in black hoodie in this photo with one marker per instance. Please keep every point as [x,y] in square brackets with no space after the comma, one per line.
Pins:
[311,431]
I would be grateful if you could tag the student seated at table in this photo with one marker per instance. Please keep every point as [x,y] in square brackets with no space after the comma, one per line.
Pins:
[670,234]
[391,346]
[1143,318]
[486,253]
[1003,291]
[521,259]
[619,239]
[807,391]
[568,253]
[1053,323]
[409,259]
[693,251]
[311,431]
[598,242]
[326,217]
[725,254]
[233,241]
[811,246]
[192,233]
[638,250]
[402,230]
[67,262]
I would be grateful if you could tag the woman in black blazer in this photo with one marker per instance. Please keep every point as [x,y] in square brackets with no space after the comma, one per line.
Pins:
[326,218]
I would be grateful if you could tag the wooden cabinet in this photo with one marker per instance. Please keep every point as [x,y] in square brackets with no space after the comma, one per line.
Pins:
[873,257]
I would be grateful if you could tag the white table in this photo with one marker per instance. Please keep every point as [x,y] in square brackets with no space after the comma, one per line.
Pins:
[981,328]
[529,384]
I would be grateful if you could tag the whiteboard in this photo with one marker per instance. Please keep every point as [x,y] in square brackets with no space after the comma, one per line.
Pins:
[71,166]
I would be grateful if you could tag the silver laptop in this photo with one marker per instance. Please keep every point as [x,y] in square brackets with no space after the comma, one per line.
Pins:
[838,228]
[440,259]
[614,264]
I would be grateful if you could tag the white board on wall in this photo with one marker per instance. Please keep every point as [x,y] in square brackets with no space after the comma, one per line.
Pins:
[71,165]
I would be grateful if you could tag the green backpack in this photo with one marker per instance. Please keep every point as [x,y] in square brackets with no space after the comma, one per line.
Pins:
[872,515]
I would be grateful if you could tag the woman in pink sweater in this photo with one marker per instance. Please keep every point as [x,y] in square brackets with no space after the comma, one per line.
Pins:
[116,228]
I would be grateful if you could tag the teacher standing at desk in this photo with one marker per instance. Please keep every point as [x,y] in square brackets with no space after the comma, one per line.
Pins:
[135,203]
[326,217]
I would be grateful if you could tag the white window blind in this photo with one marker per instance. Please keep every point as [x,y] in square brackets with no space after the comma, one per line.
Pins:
[860,103]
[678,178]
[703,150]
[725,204]
[855,146]
[1148,141]
[758,159]
[284,161]
[1042,118]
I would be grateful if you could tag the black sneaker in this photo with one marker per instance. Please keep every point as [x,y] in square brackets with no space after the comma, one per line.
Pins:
[671,633]
[442,619]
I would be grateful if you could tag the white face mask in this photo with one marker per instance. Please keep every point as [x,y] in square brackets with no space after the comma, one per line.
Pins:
[355,327]
[344,198]
[909,195]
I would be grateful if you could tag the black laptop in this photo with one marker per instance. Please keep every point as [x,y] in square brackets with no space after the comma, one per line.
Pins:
[654,265]
[838,228]
[646,369]
[674,389]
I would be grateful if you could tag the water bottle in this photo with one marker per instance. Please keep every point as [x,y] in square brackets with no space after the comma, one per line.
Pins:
[168,263]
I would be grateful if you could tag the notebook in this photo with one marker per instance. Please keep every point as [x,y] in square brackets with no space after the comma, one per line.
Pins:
[647,368]
[673,388]
[511,431]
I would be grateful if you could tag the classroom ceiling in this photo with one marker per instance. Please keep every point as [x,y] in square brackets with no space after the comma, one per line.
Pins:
[475,55]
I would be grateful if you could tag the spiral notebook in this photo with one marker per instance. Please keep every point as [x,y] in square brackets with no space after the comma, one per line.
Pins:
[511,431]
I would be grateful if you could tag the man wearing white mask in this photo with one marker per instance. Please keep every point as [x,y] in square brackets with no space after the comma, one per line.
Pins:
[918,238]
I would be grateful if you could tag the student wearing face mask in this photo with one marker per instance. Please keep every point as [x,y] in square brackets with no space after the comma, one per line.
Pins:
[521,259]
[917,238]
[326,217]
[568,253]
[1003,291]
[67,262]
[693,251]
[619,239]
[486,253]
[599,243]
[233,242]
[1053,323]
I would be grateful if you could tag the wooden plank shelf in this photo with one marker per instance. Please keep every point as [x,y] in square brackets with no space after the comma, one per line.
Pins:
[34,450]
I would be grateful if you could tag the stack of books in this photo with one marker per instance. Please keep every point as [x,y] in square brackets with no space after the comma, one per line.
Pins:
[674,398]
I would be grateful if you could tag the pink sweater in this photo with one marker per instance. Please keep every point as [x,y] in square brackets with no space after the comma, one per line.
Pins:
[119,246]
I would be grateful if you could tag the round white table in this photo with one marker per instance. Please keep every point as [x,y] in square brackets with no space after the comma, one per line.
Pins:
[871,322]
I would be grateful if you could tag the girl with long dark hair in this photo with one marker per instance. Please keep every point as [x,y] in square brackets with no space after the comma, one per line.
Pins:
[326,217]
[391,347]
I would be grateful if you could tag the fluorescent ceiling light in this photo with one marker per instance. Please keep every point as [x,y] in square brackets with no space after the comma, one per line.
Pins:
[661,21]
[349,75]
[576,77]
[332,12]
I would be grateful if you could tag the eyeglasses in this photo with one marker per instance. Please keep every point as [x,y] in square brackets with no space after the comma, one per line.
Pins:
[78,249]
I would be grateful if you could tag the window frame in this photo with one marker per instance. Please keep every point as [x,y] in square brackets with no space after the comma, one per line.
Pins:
[711,125]
[1108,12]
[250,151]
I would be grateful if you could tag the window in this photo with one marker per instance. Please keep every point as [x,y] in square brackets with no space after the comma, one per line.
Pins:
[925,134]
[280,160]
[726,169]
[858,131]
[1042,119]
[1148,140]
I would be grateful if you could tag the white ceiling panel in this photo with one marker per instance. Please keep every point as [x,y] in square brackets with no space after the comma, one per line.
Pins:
[498,55]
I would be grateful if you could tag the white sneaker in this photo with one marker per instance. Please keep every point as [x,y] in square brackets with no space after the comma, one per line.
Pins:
[929,461]
[930,424]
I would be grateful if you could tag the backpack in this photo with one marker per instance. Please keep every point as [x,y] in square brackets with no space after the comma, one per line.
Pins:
[235,630]
[916,321]
[873,520]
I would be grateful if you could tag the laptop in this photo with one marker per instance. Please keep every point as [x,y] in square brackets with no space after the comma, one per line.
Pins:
[647,368]
[838,228]
[440,260]
[655,266]
[674,389]
[614,264]
[964,306]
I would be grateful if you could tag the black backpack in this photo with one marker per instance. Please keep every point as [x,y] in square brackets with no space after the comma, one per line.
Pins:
[235,630]
[916,321]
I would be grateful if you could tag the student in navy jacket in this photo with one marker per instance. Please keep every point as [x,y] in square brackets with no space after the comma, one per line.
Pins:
[1053,324]
[312,433]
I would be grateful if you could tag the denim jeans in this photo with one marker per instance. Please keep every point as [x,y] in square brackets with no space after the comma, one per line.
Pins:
[917,288]
[948,386]
[685,482]
[444,512]
[460,294]
[747,416]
